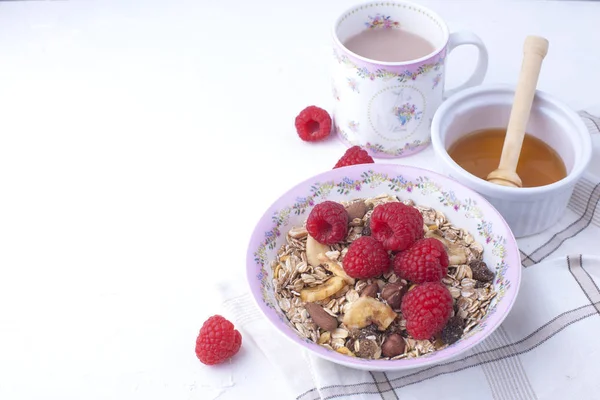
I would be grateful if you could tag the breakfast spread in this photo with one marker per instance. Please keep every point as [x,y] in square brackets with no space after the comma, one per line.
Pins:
[381,278]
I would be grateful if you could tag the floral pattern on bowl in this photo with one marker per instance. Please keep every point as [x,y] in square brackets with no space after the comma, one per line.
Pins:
[462,206]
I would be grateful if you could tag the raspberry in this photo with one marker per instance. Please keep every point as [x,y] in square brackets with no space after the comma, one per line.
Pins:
[354,155]
[427,309]
[366,258]
[313,123]
[327,223]
[425,261]
[217,341]
[396,225]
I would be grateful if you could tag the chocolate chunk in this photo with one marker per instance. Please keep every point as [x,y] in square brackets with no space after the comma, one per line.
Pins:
[453,330]
[365,348]
[367,228]
[481,272]
[370,330]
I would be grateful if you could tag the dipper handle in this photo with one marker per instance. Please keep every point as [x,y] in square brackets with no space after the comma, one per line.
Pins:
[534,51]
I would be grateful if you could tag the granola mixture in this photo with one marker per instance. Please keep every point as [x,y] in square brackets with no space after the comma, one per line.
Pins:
[315,293]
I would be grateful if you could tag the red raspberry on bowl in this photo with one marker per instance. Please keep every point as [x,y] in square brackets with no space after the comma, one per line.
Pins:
[396,225]
[353,156]
[217,341]
[327,223]
[313,124]
[366,258]
[426,308]
[425,261]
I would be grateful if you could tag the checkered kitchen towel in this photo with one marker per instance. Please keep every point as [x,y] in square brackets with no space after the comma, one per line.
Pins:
[547,348]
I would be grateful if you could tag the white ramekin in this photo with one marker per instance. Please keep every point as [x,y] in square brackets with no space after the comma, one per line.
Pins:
[527,210]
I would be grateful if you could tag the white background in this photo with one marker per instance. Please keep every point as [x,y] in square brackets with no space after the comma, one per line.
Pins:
[139,144]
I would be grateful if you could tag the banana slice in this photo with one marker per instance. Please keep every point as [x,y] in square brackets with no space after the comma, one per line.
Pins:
[457,254]
[335,268]
[346,351]
[367,310]
[313,249]
[329,288]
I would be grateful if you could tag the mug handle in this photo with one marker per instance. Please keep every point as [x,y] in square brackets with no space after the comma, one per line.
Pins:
[465,37]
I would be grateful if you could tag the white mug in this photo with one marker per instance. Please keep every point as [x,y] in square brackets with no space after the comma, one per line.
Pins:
[387,107]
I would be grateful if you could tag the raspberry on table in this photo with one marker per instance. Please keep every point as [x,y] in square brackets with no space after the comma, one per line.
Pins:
[366,258]
[396,225]
[313,124]
[327,223]
[217,341]
[427,309]
[353,156]
[425,261]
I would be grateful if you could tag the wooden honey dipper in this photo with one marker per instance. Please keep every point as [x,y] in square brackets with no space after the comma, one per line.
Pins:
[534,51]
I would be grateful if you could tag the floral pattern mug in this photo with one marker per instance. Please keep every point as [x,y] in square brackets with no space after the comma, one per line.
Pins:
[387,107]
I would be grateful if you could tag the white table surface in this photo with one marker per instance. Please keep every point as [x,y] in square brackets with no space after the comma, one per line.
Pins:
[139,144]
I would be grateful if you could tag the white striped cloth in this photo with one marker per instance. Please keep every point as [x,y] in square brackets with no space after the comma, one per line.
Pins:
[547,348]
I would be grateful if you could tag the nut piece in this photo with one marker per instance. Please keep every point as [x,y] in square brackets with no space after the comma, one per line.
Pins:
[367,310]
[329,288]
[481,272]
[370,290]
[365,348]
[457,254]
[313,249]
[335,268]
[356,209]
[321,317]
[393,346]
[392,293]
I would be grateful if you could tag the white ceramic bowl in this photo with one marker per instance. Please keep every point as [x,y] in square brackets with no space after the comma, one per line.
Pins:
[461,206]
[526,210]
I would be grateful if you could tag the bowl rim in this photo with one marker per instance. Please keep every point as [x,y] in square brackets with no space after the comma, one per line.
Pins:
[489,188]
[383,365]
